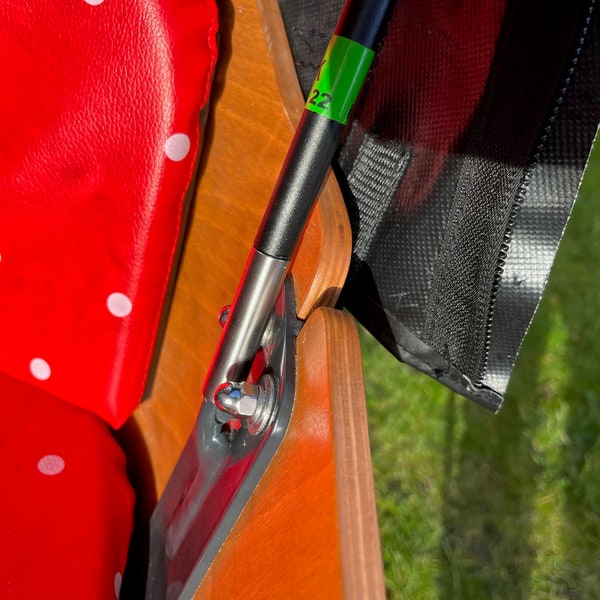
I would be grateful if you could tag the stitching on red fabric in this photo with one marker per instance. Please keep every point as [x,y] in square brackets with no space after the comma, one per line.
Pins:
[212,45]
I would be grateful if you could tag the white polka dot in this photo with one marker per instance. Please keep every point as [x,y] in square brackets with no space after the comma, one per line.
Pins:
[177,146]
[40,369]
[93,2]
[51,464]
[118,581]
[119,304]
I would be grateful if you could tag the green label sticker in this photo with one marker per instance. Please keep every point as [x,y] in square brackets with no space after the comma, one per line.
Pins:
[340,78]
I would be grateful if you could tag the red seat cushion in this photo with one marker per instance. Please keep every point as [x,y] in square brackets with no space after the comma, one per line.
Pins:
[99,135]
[66,507]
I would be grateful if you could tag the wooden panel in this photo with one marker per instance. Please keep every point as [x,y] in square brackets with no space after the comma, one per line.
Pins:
[310,528]
[246,139]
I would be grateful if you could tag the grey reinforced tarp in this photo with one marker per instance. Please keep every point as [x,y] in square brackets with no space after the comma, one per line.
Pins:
[459,171]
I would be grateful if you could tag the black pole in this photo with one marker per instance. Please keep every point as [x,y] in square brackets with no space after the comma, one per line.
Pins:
[330,102]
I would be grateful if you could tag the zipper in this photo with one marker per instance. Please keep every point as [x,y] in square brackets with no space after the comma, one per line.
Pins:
[504,247]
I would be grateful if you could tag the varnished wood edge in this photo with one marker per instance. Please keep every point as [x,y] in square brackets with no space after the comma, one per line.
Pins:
[359,531]
[282,59]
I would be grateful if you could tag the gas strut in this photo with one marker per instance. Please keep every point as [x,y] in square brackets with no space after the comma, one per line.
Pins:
[337,85]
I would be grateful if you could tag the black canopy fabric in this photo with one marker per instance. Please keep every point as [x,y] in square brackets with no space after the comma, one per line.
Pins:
[459,171]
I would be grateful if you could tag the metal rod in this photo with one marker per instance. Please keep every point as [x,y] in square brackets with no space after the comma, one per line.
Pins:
[337,85]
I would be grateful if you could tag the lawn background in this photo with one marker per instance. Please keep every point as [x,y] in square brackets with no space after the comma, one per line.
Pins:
[473,505]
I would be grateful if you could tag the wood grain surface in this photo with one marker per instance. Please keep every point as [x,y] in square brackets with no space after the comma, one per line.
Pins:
[310,528]
[246,139]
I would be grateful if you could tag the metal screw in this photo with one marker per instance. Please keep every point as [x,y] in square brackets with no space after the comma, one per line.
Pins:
[224,314]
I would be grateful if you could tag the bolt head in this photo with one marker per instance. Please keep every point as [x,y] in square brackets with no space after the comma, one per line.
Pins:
[238,399]
[247,406]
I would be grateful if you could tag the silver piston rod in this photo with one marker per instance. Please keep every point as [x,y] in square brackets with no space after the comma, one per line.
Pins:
[250,311]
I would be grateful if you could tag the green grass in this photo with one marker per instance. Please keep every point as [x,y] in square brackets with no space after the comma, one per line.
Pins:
[478,506]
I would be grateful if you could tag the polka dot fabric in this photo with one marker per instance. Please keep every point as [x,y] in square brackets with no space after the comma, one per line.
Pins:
[66,507]
[99,137]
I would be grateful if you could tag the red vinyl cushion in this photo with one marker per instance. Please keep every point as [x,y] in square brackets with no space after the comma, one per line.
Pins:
[66,506]
[99,134]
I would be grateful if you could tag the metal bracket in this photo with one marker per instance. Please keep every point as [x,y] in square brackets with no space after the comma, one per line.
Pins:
[223,461]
